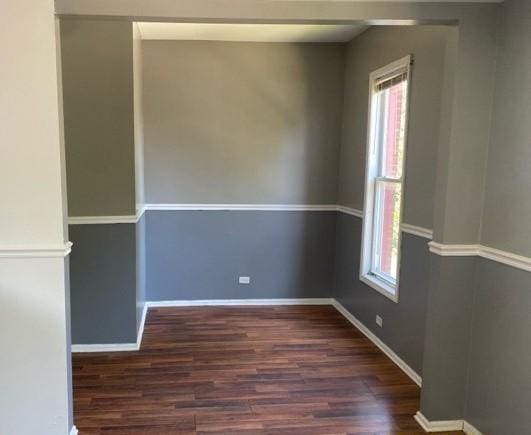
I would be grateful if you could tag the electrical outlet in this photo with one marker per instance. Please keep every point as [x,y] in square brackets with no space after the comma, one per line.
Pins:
[244,280]
[379,321]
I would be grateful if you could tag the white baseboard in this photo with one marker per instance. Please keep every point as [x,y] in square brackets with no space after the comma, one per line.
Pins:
[106,347]
[140,332]
[231,302]
[115,347]
[74,430]
[469,429]
[438,426]
[445,425]
[383,347]
[125,347]
[121,347]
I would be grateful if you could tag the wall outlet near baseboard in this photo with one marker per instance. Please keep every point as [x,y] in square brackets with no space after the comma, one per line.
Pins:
[379,321]
[244,280]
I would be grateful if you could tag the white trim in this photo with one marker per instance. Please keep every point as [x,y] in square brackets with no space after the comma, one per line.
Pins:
[232,302]
[250,302]
[108,347]
[101,220]
[140,332]
[74,430]
[445,425]
[140,210]
[105,220]
[503,257]
[244,207]
[417,231]
[378,284]
[36,251]
[469,429]
[350,211]
[508,258]
[115,347]
[438,426]
[453,250]
[368,234]
[379,343]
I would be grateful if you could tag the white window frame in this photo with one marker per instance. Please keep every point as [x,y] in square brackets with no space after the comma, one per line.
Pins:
[386,288]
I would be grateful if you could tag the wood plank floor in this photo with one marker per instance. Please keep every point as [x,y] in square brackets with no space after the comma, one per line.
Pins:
[245,370]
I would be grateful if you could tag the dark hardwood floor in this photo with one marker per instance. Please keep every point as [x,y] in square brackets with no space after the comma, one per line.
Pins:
[245,370]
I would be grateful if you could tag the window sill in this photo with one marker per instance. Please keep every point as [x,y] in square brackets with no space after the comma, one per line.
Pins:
[381,286]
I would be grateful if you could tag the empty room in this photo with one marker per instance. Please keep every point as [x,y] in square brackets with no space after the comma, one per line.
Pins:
[265,217]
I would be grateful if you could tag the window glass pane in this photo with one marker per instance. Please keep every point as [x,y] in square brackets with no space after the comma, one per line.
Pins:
[391,128]
[386,230]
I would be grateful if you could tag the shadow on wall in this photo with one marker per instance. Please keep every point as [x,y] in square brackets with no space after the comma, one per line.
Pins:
[200,255]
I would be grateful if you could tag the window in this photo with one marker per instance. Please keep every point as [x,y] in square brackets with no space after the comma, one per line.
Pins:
[386,144]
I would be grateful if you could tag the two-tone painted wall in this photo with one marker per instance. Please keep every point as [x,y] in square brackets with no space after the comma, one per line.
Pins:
[281,147]
[101,147]
[499,365]
[240,123]
[404,322]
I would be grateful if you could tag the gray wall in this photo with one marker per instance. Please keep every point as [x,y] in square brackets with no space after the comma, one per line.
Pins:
[499,373]
[200,255]
[371,50]
[97,59]
[404,323]
[229,122]
[107,267]
[507,209]
[102,280]
[452,282]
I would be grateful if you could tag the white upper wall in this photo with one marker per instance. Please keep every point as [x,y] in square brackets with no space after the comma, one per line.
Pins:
[30,138]
[250,32]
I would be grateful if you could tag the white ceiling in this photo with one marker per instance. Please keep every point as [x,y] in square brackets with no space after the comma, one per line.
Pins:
[250,32]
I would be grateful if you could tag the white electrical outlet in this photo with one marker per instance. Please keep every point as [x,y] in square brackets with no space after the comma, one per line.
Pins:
[244,280]
[379,321]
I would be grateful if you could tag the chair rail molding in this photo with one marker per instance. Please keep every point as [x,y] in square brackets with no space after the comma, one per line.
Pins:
[503,257]
[417,231]
[243,207]
[36,251]
[349,210]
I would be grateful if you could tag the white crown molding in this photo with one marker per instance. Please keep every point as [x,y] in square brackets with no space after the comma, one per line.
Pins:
[417,231]
[379,343]
[233,302]
[74,430]
[36,251]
